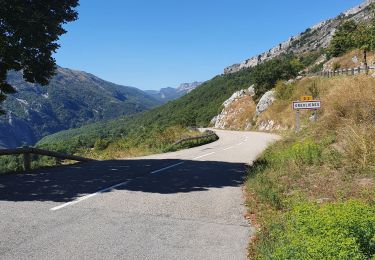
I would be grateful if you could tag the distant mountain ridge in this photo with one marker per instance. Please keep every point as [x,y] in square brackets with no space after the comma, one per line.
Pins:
[72,98]
[205,102]
[167,94]
[313,38]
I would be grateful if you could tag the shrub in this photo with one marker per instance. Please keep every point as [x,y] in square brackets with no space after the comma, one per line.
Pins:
[336,66]
[306,152]
[332,231]
[100,144]
[284,91]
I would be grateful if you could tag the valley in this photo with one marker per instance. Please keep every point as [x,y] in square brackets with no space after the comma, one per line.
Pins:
[273,183]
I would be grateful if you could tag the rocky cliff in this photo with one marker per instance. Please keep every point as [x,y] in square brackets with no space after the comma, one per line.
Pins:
[315,37]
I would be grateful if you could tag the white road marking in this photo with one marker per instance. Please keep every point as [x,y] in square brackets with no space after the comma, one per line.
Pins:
[88,196]
[240,143]
[230,147]
[166,168]
[203,156]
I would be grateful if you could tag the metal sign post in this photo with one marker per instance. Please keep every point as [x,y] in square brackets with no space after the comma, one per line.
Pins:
[298,121]
[315,116]
[305,105]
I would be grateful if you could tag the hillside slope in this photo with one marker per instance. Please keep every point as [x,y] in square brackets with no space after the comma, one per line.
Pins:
[312,39]
[317,185]
[195,108]
[201,105]
[72,98]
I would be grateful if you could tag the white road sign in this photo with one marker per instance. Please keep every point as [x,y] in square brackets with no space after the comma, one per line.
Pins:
[314,104]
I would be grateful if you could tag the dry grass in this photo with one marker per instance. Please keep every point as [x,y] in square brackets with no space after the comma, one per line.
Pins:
[345,131]
[240,113]
[346,61]
[141,145]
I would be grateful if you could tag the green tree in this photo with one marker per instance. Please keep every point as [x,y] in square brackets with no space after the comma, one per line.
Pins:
[28,34]
[344,39]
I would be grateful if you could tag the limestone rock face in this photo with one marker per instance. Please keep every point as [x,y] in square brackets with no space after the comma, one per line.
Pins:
[251,90]
[237,109]
[318,36]
[265,102]
[236,95]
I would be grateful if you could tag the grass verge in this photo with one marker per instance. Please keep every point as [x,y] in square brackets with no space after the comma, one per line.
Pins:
[312,194]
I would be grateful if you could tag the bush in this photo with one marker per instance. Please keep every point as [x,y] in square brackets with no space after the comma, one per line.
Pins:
[332,231]
[336,66]
[100,144]
[284,91]
[306,152]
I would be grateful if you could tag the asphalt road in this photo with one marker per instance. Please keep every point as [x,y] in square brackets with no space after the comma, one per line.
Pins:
[182,205]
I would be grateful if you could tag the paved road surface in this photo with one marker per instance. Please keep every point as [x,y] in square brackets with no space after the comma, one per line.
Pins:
[182,205]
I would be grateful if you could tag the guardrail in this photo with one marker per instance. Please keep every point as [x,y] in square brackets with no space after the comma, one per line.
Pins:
[27,151]
[348,72]
[208,134]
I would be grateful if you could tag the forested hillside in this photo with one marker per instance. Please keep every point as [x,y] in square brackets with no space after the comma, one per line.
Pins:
[72,98]
[194,109]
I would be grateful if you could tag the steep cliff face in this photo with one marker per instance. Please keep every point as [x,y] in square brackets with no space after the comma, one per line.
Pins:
[318,36]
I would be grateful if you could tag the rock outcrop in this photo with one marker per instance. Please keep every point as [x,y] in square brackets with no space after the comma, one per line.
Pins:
[265,102]
[318,36]
[237,112]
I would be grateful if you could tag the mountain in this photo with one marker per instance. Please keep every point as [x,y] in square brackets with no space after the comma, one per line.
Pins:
[167,94]
[204,103]
[312,39]
[72,98]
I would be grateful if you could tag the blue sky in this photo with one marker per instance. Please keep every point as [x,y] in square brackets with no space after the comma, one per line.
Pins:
[150,44]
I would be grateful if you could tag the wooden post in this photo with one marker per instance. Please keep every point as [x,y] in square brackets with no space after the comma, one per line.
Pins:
[26,159]
[58,161]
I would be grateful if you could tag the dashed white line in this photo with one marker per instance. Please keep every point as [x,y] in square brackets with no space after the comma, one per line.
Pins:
[203,156]
[88,196]
[230,147]
[166,168]
[240,143]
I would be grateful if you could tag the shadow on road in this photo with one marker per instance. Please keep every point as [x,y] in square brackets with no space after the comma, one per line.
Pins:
[69,182]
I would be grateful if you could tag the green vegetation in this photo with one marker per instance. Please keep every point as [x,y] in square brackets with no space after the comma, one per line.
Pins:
[143,142]
[332,231]
[135,144]
[196,108]
[14,163]
[72,98]
[313,193]
[267,74]
[156,130]
[351,35]
[30,48]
